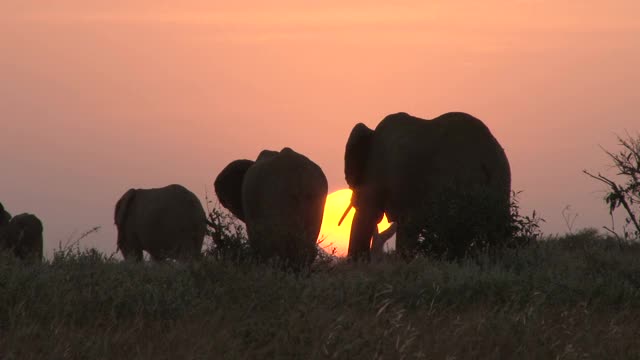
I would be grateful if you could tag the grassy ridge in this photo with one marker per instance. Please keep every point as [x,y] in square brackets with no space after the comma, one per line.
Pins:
[564,298]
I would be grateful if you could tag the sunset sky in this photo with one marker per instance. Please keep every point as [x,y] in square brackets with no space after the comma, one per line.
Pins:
[99,97]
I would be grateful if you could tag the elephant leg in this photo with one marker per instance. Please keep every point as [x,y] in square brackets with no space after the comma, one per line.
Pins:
[407,239]
[157,257]
[186,256]
[134,254]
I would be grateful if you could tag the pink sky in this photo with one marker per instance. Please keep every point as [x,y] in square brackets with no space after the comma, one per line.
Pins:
[96,99]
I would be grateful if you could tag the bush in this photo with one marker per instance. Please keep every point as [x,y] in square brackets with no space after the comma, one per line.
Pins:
[627,193]
[228,241]
[227,236]
[467,223]
[523,229]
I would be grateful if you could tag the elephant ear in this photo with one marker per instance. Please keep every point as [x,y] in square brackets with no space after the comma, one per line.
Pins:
[122,207]
[356,154]
[228,186]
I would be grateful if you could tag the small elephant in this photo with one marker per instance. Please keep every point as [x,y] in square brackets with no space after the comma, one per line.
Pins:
[167,222]
[22,235]
[281,198]
[406,163]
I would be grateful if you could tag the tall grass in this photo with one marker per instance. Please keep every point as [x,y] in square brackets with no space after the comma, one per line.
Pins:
[565,297]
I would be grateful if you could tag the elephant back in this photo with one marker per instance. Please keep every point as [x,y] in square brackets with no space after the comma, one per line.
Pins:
[190,222]
[282,181]
[414,160]
[283,199]
[173,209]
[469,141]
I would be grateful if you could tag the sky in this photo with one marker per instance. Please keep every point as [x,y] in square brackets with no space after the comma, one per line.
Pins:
[98,97]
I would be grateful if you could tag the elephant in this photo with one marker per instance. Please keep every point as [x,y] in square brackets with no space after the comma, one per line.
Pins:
[406,163]
[280,197]
[167,222]
[22,235]
[4,217]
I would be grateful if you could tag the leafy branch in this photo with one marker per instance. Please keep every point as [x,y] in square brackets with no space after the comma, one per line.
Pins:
[627,193]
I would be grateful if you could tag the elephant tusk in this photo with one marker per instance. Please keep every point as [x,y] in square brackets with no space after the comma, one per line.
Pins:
[345,214]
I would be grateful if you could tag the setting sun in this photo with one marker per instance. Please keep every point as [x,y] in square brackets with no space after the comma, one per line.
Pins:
[338,236]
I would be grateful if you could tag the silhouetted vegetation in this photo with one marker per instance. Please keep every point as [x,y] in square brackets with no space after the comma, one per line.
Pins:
[624,194]
[227,237]
[576,296]
[523,229]
[464,223]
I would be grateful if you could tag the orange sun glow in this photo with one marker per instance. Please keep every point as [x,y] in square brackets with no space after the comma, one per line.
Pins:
[338,236]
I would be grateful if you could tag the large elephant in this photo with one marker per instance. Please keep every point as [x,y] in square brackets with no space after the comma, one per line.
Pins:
[406,163]
[22,235]
[167,222]
[281,198]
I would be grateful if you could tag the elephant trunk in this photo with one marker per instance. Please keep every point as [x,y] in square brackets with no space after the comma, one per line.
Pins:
[362,228]
[379,239]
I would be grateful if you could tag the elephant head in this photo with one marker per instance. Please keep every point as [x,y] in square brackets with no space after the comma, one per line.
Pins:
[402,166]
[23,236]
[369,206]
[356,154]
[167,222]
[280,197]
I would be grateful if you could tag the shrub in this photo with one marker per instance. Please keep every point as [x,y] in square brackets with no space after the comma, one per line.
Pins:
[228,241]
[227,236]
[467,223]
[627,193]
[524,229]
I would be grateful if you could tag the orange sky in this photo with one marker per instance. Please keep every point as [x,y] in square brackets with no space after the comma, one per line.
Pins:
[96,98]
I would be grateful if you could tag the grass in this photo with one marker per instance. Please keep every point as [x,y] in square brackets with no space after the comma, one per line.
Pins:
[569,297]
